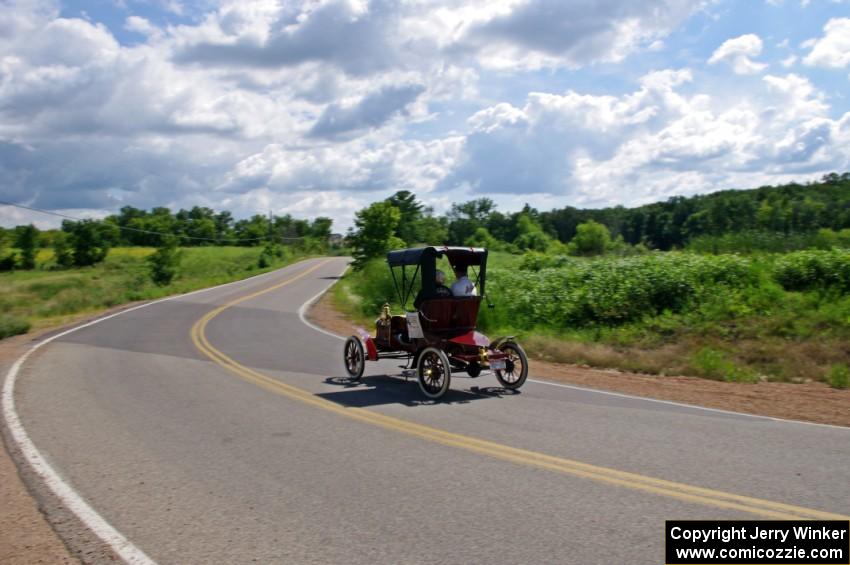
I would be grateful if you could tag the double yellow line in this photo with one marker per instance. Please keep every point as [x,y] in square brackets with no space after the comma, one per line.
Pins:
[679,491]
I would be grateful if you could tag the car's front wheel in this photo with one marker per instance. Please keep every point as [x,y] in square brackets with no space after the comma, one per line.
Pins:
[434,372]
[353,358]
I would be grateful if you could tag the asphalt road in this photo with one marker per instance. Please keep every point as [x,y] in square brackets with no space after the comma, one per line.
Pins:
[215,428]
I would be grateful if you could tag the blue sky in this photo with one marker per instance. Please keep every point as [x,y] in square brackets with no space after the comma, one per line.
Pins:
[318,107]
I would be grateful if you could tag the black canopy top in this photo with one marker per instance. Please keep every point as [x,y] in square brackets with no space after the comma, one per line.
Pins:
[425,261]
[456,255]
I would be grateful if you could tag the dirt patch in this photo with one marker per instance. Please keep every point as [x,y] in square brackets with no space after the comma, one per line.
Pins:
[325,315]
[810,402]
[25,535]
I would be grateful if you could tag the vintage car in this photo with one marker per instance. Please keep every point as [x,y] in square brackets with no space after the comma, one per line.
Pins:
[439,334]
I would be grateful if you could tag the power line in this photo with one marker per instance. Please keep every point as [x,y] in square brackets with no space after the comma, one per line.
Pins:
[139,230]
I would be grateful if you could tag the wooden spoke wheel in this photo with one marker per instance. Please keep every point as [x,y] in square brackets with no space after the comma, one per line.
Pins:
[434,372]
[353,358]
[516,366]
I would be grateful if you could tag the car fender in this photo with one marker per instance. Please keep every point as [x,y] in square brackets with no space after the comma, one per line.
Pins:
[500,341]
[368,344]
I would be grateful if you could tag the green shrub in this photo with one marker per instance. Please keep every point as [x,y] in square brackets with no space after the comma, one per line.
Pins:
[62,252]
[591,238]
[838,376]
[815,269]
[714,364]
[534,261]
[374,284]
[272,252]
[165,262]
[10,325]
[8,262]
[752,241]
[578,293]
[28,244]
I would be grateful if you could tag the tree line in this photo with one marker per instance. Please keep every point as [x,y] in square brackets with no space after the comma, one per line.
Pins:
[87,242]
[784,217]
[789,214]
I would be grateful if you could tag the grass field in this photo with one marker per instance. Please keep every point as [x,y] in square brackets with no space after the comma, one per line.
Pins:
[44,297]
[778,317]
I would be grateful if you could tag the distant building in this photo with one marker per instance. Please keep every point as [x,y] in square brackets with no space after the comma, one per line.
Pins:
[335,239]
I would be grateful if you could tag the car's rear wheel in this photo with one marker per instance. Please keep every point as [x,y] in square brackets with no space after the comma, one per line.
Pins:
[434,372]
[353,358]
[516,366]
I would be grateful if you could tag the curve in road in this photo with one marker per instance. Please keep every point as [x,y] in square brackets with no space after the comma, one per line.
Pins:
[127,370]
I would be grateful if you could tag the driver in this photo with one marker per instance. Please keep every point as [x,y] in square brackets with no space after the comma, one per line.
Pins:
[440,290]
[463,286]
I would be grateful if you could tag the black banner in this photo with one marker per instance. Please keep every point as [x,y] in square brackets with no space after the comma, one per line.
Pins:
[757,542]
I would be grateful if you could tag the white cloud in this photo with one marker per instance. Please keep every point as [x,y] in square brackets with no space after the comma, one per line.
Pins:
[368,37]
[539,33]
[316,107]
[370,111]
[652,143]
[738,52]
[142,26]
[359,165]
[833,49]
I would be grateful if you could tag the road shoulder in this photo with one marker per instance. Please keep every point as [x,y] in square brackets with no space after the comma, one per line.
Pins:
[25,535]
[808,402]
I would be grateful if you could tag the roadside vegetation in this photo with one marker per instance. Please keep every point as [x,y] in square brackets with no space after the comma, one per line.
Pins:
[50,277]
[44,297]
[745,285]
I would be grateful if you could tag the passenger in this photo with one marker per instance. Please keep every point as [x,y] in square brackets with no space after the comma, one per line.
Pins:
[440,290]
[463,286]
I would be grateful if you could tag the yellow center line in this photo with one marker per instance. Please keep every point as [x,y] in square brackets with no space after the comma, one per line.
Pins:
[662,487]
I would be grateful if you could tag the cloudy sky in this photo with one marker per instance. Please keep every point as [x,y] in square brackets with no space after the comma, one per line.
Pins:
[319,107]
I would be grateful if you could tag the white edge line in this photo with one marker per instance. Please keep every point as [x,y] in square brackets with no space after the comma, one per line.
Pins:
[303,310]
[123,547]
[304,307]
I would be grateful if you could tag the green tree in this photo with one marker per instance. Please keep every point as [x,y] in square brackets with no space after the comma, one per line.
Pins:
[223,227]
[530,235]
[27,242]
[90,240]
[410,212]
[8,260]
[321,228]
[374,233]
[62,252]
[253,230]
[481,238]
[432,230]
[464,218]
[592,238]
[164,263]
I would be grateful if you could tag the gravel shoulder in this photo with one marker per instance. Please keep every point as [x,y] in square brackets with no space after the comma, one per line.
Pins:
[809,402]
[25,535]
